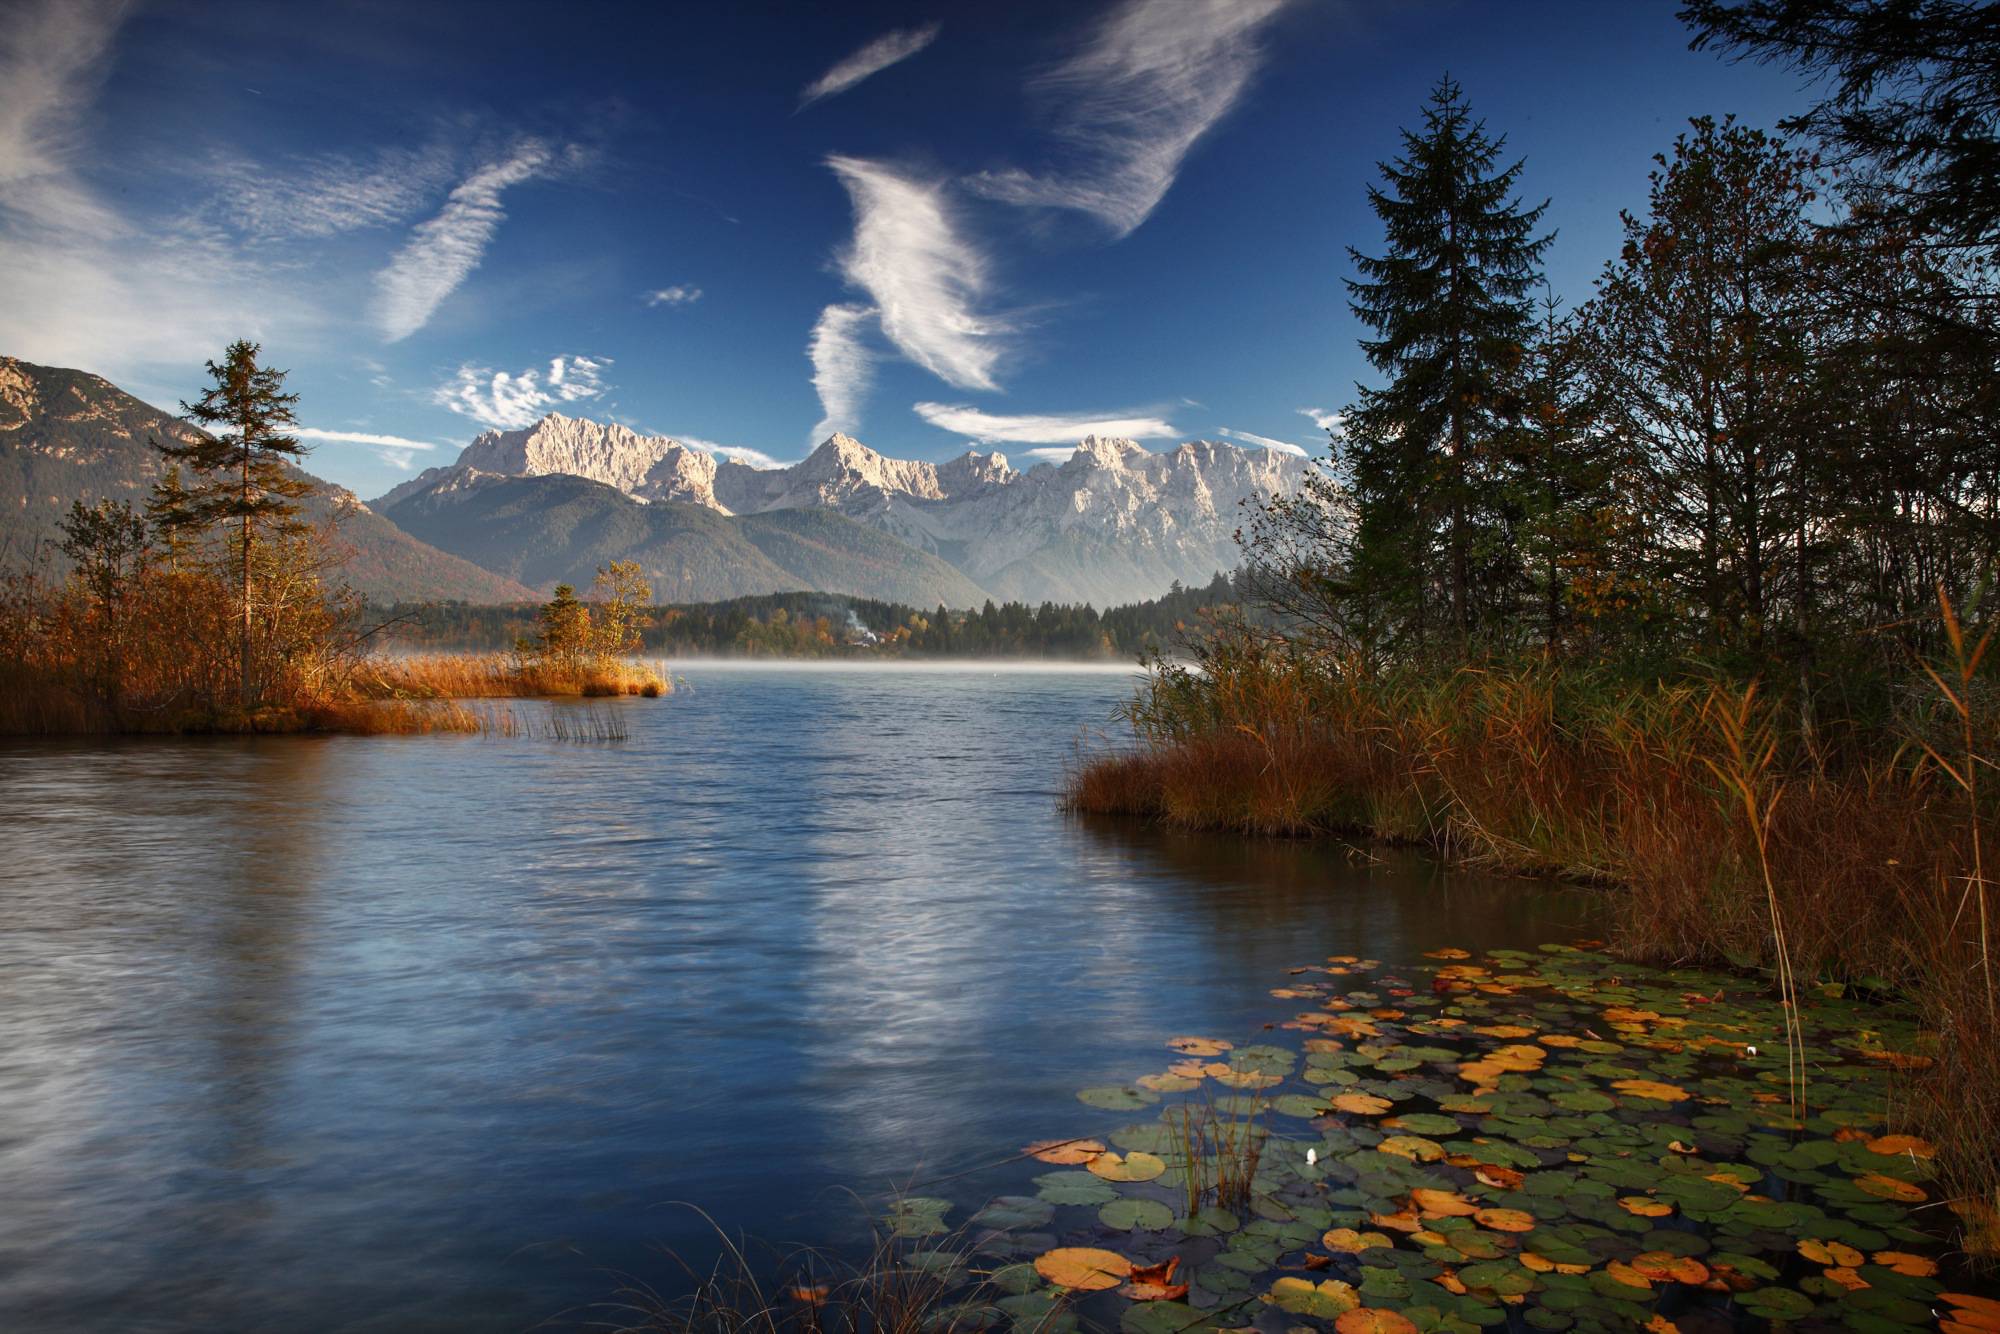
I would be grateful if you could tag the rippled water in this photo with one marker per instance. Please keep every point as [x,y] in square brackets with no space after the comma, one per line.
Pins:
[388,1034]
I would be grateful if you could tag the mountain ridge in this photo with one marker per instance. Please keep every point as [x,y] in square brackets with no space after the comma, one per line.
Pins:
[1115,522]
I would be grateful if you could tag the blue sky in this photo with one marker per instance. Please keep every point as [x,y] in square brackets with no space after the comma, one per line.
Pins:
[750,224]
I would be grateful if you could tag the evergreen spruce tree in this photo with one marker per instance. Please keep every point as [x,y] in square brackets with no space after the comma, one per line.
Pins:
[1449,303]
[242,477]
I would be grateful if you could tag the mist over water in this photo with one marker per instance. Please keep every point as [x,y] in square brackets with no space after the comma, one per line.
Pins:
[394,1033]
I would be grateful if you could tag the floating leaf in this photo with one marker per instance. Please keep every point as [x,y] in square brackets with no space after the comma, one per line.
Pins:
[1374,1320]
[1902,1262]
[1829,1253]
[917,1216]
[1664,1267]
[1361,1104]
[1199,1046]
[1541,1264]
[1889,1188]
[1155,1283]
[1644,1206]
[1441,1203]
[1980,1313]
[1127,1167]
[1083,1267]
[1168,1083]
[1650,1089]
[1349,1242]
[1776,1303]
[1505,1220]
[1124,1215]
[1898,1145]
[1064,1152]
[1325,1300]
[1074,1188]
[1412,1147]
[1013,1212]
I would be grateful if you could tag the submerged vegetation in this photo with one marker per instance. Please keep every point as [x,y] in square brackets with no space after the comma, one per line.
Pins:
[1684,591]
[216,609]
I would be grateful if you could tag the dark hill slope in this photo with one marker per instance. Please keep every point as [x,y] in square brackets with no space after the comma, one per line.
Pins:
[68,435]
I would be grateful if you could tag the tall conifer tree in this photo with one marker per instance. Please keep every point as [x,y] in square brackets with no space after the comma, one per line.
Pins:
[240,462]
[1449,303]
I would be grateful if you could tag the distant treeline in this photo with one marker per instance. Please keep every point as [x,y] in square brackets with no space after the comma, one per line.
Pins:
[828,625]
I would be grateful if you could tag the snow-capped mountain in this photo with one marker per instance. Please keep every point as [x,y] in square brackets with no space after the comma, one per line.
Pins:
[1114,522]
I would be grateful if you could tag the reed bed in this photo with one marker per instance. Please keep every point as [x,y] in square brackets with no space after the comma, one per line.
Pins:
[1735,839]
[504,676]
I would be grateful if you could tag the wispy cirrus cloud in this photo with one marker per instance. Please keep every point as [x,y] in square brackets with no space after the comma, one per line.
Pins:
[444,250]
[1326,421]
[53,58]
[397,451]
[512,401]
[680,294]
[80,283]
[1129,106]
[330,193]
[842,366]
[1042,428]
[886,50]
[1265,442]
[927,281]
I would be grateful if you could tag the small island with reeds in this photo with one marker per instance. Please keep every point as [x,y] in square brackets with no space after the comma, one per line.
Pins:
[215,607]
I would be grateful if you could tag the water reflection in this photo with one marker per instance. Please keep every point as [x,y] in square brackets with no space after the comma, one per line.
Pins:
[389,1033]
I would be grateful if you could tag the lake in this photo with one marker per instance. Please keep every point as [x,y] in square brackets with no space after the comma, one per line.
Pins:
[432,1033]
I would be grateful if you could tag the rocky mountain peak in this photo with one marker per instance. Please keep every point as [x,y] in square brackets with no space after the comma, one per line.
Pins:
[1116,522]
[1106,452]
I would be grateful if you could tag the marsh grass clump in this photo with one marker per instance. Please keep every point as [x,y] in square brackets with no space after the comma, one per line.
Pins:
[911,1280]
[1216,1151]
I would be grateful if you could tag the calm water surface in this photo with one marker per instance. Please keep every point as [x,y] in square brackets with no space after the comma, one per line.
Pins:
[392,1034]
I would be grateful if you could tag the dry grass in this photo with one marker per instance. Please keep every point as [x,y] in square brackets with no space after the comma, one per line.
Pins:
[502,676]
[1733,841]
[897,1287]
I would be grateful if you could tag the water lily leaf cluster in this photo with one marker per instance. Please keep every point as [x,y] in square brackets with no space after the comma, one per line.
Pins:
[1543,1140]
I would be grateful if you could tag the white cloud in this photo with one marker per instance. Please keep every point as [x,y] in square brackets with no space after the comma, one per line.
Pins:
[1326,421]
[444,250]
[510,402]
[1132,103]
[680,294]
[328,194]
[926,280]
[395,450]
[876,56]
[1051,428]
[1266,442]
[755,458]
[842,367]
[53,57]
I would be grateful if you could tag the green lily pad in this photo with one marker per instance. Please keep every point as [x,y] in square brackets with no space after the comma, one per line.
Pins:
[1126,1214]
